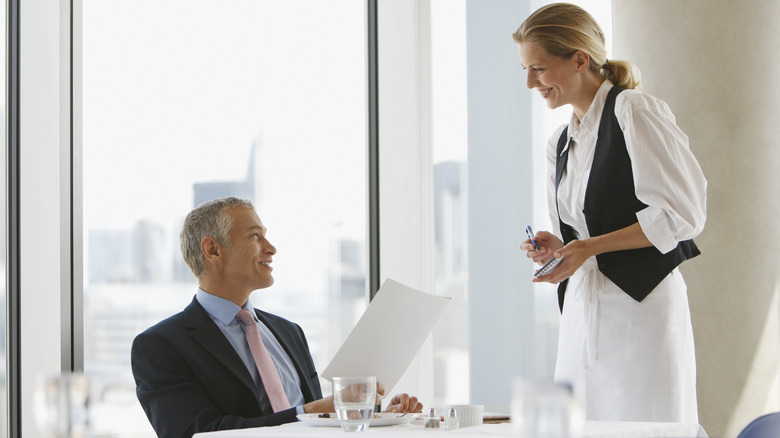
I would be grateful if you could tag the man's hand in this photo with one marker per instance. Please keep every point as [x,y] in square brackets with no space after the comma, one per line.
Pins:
[319,406]
[404,403]
[399,403]
[380,393]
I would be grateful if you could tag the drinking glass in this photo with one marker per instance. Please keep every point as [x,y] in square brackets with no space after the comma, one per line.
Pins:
[61,405]
[354,399]
[546,410]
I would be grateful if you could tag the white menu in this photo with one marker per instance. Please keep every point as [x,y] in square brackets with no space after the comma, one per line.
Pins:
[388,335]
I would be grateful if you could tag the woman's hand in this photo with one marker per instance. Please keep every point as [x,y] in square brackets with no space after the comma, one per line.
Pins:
[574,255]
[547,242]
[577,251]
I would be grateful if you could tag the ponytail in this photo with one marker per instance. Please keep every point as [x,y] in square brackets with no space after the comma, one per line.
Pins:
[621,73]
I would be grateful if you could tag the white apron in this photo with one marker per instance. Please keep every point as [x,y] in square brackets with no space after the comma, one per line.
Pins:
[633,361]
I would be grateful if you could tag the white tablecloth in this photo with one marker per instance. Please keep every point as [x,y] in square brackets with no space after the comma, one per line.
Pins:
[593,429]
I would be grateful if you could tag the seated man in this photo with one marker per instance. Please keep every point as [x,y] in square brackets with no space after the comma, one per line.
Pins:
[196,371]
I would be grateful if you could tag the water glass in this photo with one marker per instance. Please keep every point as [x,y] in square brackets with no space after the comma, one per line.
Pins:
[354,399]
[61,405]
[546,410]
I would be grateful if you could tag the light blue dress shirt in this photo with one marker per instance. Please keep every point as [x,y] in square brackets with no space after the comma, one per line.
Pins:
[223,312]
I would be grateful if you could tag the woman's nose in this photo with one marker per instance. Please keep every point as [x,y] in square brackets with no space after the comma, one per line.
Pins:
[530,80]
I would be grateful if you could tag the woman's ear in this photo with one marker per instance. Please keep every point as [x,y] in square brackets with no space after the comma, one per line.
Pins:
[582,60]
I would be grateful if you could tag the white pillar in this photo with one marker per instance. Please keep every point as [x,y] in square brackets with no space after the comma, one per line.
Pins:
[715,63]
[500,177]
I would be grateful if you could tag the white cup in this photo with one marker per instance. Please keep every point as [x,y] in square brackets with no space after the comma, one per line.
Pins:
[468,415]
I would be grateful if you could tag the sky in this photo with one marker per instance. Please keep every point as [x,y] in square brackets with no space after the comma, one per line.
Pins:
[176,92]
[179,96]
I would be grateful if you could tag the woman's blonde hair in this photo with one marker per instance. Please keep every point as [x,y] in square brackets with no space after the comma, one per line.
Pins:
[562,29]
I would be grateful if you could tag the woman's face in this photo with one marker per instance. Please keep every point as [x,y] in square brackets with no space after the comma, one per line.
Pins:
[555,78]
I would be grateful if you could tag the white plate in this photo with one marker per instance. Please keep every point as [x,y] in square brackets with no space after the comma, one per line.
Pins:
[378,420]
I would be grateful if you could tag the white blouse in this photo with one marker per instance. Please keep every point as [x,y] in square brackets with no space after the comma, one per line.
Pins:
[667,176]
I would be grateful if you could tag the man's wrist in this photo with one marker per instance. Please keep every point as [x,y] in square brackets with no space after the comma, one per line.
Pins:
[319,406]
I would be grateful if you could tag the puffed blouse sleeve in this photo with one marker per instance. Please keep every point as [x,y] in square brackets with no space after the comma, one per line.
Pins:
[667,177]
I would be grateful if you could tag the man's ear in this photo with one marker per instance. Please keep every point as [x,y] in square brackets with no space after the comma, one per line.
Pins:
[211,249]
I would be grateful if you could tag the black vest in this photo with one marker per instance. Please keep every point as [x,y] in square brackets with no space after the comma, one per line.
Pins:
[611,204]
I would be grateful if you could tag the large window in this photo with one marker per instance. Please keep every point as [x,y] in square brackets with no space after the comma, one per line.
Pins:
[488,138]
[187,100]
[267,100]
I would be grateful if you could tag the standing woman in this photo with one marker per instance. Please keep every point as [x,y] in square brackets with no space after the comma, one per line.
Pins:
[626,196]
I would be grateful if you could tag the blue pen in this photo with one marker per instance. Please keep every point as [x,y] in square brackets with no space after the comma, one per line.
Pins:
[530,232]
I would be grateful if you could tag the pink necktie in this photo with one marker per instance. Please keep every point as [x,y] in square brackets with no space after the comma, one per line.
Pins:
[265,365]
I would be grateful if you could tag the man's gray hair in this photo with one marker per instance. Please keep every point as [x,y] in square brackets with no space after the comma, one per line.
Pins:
[207,219]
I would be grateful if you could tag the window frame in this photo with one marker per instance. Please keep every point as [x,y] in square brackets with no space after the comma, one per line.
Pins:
[13,339]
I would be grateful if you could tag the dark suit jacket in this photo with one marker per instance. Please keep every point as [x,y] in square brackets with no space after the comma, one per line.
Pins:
[189,379]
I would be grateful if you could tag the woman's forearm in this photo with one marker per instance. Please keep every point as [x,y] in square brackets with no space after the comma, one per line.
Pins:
[630,237]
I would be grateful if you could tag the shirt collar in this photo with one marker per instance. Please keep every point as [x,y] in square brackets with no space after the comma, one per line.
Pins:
[223,310]
[589,125]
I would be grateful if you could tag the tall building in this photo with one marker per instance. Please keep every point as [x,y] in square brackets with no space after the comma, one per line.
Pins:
[240,188]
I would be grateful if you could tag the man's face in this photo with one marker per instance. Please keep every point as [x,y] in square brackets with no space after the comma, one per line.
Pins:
[247,262]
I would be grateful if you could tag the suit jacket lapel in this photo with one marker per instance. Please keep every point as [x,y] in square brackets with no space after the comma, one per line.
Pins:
[205,332]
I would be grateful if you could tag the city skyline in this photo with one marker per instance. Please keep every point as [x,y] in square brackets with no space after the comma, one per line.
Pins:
[126,294]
